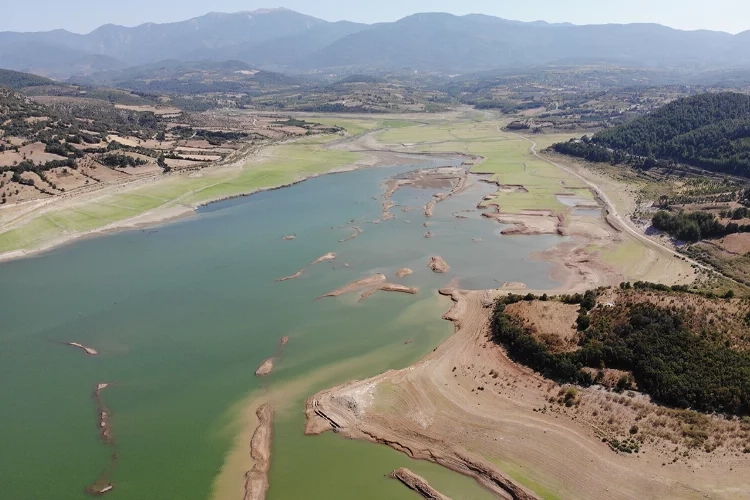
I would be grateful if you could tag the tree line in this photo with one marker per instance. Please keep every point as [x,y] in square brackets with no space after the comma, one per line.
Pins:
[695,226]
[709,131]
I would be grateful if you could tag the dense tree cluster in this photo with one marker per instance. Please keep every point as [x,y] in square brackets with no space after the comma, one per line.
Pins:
[695,226]
[676,366]
[121,161]
[710,131]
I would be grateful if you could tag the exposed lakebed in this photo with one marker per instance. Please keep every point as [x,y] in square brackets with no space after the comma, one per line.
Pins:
[182,315]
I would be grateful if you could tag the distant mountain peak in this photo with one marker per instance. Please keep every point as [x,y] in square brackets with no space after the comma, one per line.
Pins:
[260,12]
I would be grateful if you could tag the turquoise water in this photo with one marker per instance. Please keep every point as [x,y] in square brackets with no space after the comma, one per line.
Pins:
[183,315]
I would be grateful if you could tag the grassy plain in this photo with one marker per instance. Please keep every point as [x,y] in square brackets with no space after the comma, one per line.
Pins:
[276,166]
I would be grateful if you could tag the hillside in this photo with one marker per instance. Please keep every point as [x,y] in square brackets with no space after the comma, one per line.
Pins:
[173,76]
[684,350]
[17,80]
[280,39]
[710,131]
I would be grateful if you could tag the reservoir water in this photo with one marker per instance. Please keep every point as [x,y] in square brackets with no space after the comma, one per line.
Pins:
[183,314]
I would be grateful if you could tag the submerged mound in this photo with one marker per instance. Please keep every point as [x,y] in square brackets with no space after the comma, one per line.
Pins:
[356,286]
[439,265]
[404,272]
[418,484]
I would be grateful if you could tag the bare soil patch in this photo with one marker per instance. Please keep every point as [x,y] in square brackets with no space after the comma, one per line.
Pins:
[553,323]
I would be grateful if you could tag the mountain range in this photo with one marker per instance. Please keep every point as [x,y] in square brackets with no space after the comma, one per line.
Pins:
[284,40]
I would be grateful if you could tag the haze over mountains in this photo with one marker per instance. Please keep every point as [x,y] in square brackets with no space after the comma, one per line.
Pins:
[284,40]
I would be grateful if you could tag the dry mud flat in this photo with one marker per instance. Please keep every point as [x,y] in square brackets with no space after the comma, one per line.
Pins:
[470,380]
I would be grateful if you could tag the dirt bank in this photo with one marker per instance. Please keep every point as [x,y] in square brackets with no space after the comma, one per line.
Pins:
[418,484]
[256,485]
[404,272]
[439,265]
[355,286]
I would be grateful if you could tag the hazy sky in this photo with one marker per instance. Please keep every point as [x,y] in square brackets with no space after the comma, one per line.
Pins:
[84,15]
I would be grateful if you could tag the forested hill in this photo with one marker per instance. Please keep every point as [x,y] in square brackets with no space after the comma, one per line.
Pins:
[16,80]
[711,131]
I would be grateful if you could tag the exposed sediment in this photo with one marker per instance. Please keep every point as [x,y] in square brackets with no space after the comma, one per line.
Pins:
[105,428]
[355,286]
[325,258]
[439,265]
[103,484]
[357,232]
[389,287]
[429,208]
[265,368]
[256,484]
[418,484]
[404,272]
[88,350]
[530,223]
[453,178]
[292,277]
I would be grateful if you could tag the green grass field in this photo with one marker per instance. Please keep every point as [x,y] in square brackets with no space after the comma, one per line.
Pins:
[508,158]
[281,165]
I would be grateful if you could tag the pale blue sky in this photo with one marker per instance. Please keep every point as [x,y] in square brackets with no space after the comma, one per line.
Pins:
[84,15]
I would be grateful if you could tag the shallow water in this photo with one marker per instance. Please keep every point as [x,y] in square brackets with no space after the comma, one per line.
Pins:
[588,212]
[183,315]
[571,200]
